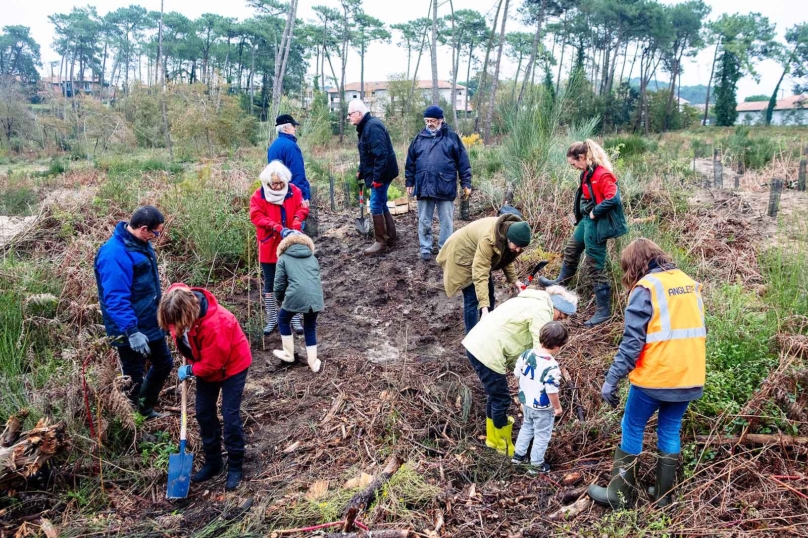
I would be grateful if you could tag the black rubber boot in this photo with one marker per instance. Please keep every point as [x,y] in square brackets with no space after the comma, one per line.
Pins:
[380,232]
[620,491]
[147,398]
[665,478]
[208,471]
[564,277]
[233,479]
[603,300]
[390,224]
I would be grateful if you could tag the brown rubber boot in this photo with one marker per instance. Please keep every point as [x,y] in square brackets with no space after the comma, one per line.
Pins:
[380,231]
[390,223]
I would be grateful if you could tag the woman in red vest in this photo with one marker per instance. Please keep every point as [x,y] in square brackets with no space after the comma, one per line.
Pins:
[218,353]
[276,206]
[663,352]
[598,217]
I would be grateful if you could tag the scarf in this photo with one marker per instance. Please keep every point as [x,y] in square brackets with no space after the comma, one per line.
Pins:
[275,197]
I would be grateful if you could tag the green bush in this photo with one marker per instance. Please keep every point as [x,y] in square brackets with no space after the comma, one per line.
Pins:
[17,198]
[630,145]
[754,151]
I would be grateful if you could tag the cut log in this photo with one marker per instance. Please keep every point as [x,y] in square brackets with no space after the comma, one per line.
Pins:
[365,498]
[754,439]
[27,456]
[369,534]
[13,429]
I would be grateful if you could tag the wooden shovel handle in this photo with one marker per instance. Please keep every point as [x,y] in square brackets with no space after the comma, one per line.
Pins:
[184,409]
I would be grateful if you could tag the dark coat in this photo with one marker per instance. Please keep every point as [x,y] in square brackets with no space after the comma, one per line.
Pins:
[610,220]
[286,150]
[377,159]
[434,162]
[297,276]
[128,286]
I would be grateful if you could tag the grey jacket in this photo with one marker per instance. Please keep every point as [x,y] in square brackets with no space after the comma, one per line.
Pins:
[297,276]
[638,315]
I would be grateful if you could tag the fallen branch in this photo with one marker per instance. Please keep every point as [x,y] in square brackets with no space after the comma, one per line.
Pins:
[371,534]
[13,429]
[25,458]
[754,439]
[568,512]
[365,498]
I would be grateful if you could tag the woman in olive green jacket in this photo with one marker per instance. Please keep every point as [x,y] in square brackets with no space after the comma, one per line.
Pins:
[473,252]
[299,291]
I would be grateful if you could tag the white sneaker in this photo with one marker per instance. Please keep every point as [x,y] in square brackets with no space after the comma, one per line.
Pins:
[287,354]
[314,362]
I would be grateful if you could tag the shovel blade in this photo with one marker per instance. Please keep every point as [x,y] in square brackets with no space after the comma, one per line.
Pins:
[179,474]
[362,225]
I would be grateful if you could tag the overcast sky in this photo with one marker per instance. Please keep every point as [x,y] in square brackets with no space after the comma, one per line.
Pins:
[383,59]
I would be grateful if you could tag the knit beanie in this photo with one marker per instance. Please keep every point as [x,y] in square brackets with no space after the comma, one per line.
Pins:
[519,234]
[562,305]
[434,111]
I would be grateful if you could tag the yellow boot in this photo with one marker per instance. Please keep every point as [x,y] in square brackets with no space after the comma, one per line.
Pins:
[491,439]
[505,435]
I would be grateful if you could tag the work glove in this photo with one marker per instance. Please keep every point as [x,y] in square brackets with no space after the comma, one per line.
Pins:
[185,371]
[376,184]
[288,231]
[140,343]
[609,394]
[466,193]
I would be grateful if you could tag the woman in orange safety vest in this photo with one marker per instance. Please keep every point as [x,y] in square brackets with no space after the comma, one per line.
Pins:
[663,353]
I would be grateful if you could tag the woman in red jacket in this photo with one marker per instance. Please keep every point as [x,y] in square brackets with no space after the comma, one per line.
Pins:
[275,206]
[218,353]
[598,217]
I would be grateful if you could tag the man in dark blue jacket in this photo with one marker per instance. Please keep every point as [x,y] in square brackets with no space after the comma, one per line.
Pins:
[435,159]
[286,150]
[377,168]
[129,293]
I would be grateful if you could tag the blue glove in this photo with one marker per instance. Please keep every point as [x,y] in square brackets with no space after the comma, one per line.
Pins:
[609,394]
[287,232]
[184,372]
[140,343]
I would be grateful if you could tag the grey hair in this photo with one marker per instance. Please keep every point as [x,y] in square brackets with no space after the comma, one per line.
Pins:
[276,168]
[282,127]
[356,105]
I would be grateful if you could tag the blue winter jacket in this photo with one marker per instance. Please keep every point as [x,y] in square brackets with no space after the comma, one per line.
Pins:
[128,286]
[286,150]
[434,162]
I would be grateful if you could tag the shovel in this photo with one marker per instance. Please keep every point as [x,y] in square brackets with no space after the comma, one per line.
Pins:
[539,266]
[362,224]
[179,465]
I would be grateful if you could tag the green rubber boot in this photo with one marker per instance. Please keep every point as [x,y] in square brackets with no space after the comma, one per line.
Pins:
[667,464]
[491,438]
[620,491]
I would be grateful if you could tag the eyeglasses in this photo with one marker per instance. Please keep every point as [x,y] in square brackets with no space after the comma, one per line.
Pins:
[352,113]
[431,121]
[155,232]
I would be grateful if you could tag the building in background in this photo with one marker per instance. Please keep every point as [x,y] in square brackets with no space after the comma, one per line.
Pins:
[791,110]
[377,95]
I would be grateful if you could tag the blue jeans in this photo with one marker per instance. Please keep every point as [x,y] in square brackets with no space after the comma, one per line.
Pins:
[537,426]
[639,409]
[471,305]
[210,429]
[309,325]
[426,212]
[498,395]
[378,199]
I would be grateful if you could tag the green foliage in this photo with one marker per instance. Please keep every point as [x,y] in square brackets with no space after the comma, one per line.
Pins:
[630,145]
[754,151]
[755,98]
[316,130]
[786,272]
[17,197]
[154,454]
[729,72]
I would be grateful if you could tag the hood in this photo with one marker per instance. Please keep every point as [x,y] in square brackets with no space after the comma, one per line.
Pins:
[298,245]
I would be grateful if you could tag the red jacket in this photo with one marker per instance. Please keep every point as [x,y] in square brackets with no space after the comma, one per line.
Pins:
[217,342]
[270,219]
[603,183]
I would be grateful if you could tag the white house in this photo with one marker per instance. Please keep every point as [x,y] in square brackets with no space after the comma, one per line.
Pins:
[792,110]
[377,95]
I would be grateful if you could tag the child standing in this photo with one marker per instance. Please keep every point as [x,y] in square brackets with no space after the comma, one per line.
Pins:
[212,341]
[539,375]
[299,291]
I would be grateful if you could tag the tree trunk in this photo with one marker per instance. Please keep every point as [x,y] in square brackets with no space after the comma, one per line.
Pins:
[418,63]
[709,83]
[455,67]
[773,98]
[26,456]
[561,62]
[533,51]
[161,74]
[468,75]
[362,74]
[484,75]
[670,95]
[495,82]
[281,60]
[435,92]
[345,38]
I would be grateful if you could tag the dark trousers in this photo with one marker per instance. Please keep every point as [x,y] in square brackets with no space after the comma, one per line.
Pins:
[145,391]
[496,390]
[584,240]
[309,325]
[210,429]
[471,305]
[268,269]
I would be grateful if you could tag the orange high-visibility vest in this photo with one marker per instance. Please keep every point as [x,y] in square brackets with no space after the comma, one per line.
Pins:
[675,353]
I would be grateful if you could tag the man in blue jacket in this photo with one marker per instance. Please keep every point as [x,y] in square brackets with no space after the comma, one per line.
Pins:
[435,159]
[286,150]
[129,293]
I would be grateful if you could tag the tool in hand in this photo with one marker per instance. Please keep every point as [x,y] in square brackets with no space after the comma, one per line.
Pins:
[362,223]
[539,266]
[179,465]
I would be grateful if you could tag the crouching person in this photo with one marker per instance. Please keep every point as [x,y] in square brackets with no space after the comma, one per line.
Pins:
[299,291]
[211,340]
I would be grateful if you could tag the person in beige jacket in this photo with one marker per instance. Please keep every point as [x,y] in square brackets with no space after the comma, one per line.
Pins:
[497,341]
[472,253]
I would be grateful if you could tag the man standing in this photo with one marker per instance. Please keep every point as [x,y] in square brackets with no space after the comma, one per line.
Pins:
[377,168]
[129,293]
[434,160]
[286,150]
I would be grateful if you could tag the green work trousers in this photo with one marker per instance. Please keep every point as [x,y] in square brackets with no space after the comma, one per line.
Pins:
[585,240]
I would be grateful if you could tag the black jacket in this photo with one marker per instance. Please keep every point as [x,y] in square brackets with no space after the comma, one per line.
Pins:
[434,162]
[377,160]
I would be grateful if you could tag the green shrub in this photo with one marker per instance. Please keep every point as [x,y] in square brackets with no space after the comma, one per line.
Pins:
[630,145]
[18,198]
[754,151]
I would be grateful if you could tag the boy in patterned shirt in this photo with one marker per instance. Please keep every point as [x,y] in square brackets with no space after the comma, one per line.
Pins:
[539,376]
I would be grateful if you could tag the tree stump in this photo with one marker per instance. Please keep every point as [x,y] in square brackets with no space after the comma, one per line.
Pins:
[774,197]
[26,456]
